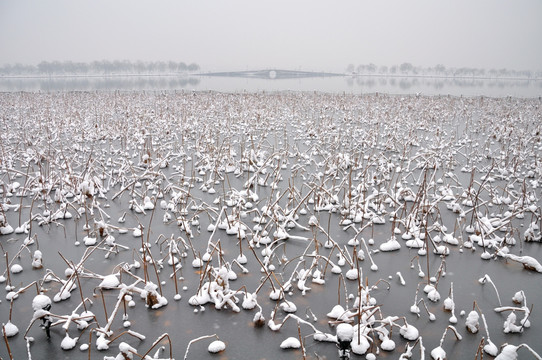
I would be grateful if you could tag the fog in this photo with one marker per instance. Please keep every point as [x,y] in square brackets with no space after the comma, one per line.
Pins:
[299,35]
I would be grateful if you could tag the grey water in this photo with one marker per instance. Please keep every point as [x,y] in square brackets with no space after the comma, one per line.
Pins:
[491,87]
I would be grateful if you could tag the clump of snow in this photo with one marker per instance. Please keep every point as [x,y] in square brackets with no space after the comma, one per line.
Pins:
[290,343]
[391,245]
[345,332]
[10,329]
[41,302]
[472,322]
[216,347]
[37,260]
[109,282]
[16,268]
[68,343]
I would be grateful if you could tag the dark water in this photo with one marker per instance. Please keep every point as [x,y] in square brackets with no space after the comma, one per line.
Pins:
[332,84]
[187,124]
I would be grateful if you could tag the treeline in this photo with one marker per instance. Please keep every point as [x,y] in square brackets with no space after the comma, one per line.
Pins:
[99,67]
[439,70]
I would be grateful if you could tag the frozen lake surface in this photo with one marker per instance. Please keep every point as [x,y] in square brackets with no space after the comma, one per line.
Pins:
[261,221]
[426,85]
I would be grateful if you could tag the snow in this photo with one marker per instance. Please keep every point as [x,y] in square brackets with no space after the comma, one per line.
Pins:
[37,260]
[89,241]
[472,322]
[337,312]
[68,343]
[387,344]
[10,329]
[16,268]
[333,189]
[126,349]
[390,245]
[216,347]
[6,229]
[409,332]
[40,302]
[433,295]
[509,352]
[491,348]
[290,343]
[518,297]
[288,306]
[109,282]
[438,353]
[345,332]
[353,274]
[528,262]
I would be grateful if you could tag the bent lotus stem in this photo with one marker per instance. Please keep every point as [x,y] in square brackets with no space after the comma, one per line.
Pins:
[196,340]
[480,350]
[303,351]
[485,279]
[128,332]
[431,315]
[535,354]
[157,341]
[450,327]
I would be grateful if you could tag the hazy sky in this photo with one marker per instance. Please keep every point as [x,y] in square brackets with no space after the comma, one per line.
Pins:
[309,35]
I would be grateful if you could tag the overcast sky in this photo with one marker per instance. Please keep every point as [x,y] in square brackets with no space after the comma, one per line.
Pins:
[309,35]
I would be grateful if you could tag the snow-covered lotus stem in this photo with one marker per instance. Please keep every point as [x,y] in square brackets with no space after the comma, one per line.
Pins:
[510,323]
[431,315]
[485,279]
[408,351]
[414,308]
[509,352]
[374,267]
[438,353]
[449,304]
[156,342]
[490,348]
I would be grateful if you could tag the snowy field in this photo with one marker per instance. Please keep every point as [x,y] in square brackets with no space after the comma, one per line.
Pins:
[269,226]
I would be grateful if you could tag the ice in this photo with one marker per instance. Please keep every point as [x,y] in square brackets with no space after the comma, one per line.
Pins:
[314,180]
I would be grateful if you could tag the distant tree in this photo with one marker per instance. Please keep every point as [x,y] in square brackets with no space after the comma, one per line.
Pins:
[350,68]
[440,69]
[393,69]
[360,69]
[58,67]
[193,67]
[161,66]
[6,69]
[405,67]
[172,66]
[371,68]
[383,70]
[140,66]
